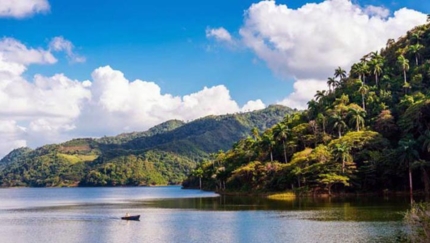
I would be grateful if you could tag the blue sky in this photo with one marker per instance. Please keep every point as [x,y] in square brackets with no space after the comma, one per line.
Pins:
[160,41]
[92,68]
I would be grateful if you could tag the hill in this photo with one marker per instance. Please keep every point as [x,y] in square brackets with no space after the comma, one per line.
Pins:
[164,154]
[369,132]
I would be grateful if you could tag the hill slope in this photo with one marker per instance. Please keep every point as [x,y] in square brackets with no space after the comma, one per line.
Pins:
[369,132]
[164,154]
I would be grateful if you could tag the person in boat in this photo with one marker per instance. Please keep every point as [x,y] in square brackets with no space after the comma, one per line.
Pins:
[127,215]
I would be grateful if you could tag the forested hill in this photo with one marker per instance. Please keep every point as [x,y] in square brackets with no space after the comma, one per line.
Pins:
[368,132]
[164,154]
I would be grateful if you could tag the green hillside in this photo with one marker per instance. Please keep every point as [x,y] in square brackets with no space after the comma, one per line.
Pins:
[369,132]
[164,154]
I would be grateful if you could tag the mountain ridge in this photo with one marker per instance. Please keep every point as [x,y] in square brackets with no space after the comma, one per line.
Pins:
[164,154]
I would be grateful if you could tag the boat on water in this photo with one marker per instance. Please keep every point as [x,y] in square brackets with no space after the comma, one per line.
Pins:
[131,217]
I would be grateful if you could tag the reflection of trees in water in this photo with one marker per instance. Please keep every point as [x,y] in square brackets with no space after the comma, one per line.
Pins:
[321,209]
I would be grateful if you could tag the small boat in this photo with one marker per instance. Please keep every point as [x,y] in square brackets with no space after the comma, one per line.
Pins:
[131,217]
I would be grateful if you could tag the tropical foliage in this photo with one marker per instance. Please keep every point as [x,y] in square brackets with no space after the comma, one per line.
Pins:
[369,132]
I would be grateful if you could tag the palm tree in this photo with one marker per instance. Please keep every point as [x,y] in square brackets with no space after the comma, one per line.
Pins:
[313,108]
[417,36]
[281,133]
[377,63]
[255,133]
[408,154]
[361,69]
[340,73]
[330,83]
[363,91]
[364,69]
[319,94]
[404,64]
[268,143]
[198,172]
[415,49]
[323,120]
[338,123]
[341,152]
[357,116]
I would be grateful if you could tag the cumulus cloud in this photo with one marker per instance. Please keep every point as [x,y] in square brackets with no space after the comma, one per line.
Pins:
[60,44]
[22,8]
[53,109]
[11,136]
[253,105]
[220,34]
[308,43]
[126,105]
[304,90]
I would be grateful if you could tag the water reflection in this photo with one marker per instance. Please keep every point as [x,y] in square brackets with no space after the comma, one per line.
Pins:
[174,215]
[322,209]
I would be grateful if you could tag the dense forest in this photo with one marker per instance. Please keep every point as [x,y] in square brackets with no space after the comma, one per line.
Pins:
[165,154]
[369,132]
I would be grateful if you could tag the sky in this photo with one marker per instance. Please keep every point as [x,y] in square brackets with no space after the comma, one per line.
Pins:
[97,68]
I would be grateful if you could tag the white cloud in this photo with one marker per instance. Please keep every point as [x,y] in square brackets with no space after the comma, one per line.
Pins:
[22,8]
[14,51]
[310,42]
[304,90]
[60,44]
[37,111]
[125,105]
[377,11]
[219,34]
[253,105]
[11,135]
[57,108]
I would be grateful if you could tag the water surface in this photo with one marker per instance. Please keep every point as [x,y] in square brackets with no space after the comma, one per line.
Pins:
[169,214]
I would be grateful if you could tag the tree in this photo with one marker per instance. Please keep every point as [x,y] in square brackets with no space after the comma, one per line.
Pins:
[404,64]
[323,120]
[390,42]
[331,82]
[363,91]
[385,124]
[340,73]
[415,50]
[357,116]
[330,179]
[268,143]
[319,95]
[313,108]
[361,69]
[198,172]
[338,123]
[281,132]
[376,63]
[341,152]
[408,154]
[255,133]
[423,165]
[417,36]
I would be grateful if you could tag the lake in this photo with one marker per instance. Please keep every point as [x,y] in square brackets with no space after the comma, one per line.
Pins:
[170,214]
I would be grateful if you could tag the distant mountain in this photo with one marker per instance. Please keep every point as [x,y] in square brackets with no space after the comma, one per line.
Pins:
[164,154]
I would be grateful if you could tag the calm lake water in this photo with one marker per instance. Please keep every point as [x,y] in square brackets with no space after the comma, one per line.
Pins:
[169,214]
